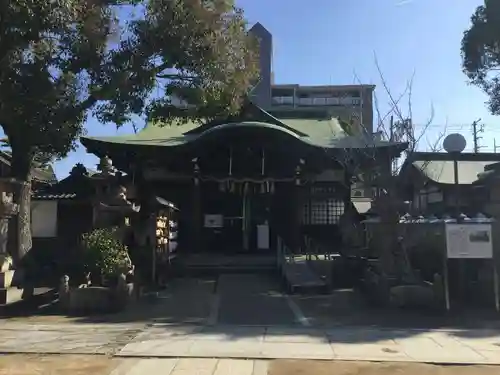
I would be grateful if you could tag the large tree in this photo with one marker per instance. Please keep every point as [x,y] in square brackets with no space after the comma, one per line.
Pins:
[481,51]
[197,52]
[58,62]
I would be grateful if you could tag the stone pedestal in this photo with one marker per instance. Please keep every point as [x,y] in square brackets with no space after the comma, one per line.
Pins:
[10,295]
[6,278]
[10,285]
[10,279]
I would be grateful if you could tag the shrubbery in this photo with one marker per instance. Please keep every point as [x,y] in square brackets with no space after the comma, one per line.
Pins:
[104,254]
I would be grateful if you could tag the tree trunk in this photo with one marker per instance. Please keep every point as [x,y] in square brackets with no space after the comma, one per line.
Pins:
[394,258]
[19,237]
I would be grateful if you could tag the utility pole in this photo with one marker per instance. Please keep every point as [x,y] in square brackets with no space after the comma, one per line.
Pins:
[394,164]
[391,130]
[476,129]
[495,146]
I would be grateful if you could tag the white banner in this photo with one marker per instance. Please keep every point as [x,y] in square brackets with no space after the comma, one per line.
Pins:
[214,221]
[470,241]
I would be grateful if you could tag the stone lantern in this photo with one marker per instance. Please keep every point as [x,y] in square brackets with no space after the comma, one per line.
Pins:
[112,206]
[8,209]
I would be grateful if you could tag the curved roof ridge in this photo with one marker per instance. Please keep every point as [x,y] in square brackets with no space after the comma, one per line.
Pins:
[245,114]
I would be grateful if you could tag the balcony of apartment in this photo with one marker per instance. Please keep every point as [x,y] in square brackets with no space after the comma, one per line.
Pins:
[328,101]
[316,101]
[283,101]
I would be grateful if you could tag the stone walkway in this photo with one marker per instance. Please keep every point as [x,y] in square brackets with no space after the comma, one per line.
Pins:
[251,299]
[66,338]
[245,318]
[257,342]
[191,366]
[353,343]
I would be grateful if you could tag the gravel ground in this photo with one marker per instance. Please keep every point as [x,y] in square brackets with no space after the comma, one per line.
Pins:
[301,367]
[56,364]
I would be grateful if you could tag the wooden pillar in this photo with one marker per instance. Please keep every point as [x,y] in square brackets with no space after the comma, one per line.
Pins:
[347,191]
[296,203]
[196,242]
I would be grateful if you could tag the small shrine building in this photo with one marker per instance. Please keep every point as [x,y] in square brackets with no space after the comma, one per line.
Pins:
[241,182]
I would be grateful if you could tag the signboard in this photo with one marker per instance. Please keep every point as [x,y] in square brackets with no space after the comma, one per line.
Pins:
[263,237]
[469,241]
[214,221]
[330,175]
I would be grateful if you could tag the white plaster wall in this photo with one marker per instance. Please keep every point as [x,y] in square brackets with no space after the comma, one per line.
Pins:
[44,219]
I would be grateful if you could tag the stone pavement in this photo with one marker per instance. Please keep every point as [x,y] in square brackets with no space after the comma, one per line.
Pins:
[341,343]
[66,338]
[191,366]
[245,318]
[480,346]
[251,299]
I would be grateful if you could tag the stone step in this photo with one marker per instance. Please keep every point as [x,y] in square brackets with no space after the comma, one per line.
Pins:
[6,278]
[10,295]
[32,299]
[208,271]
[299,277]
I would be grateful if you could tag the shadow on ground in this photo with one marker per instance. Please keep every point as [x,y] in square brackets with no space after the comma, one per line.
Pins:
[241,306]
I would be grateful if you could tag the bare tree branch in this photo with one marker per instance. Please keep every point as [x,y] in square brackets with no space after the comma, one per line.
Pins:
[374,174]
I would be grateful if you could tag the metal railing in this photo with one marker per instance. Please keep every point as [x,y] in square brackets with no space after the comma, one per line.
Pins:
[315,249]
[284,255]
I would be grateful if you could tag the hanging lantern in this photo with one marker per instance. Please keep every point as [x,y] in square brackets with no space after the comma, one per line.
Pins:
[272,187]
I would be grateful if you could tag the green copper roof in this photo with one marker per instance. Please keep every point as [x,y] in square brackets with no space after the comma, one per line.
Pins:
[320,133]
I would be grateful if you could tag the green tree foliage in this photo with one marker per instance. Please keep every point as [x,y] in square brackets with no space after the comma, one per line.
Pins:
[196,51]
[481,51]
[50,53]
[104,254]
[62,59]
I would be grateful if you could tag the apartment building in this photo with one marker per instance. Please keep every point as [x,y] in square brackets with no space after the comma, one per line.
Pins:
[352,103]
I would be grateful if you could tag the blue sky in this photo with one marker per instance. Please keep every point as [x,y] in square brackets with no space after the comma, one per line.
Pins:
[335,41]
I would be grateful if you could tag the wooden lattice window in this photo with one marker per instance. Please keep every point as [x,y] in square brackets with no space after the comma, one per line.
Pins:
[322,211]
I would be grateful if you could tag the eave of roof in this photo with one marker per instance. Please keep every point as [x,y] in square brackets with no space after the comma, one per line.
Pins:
[40,174]
[74,186]
[48,196]
[323,133]
[442,171]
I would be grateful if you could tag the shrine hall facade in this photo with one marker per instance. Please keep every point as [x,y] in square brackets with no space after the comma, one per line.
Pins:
[241,182]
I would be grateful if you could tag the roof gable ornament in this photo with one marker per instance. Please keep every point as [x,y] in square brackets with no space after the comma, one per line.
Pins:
[105,166]
[79,170]
[249,112]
